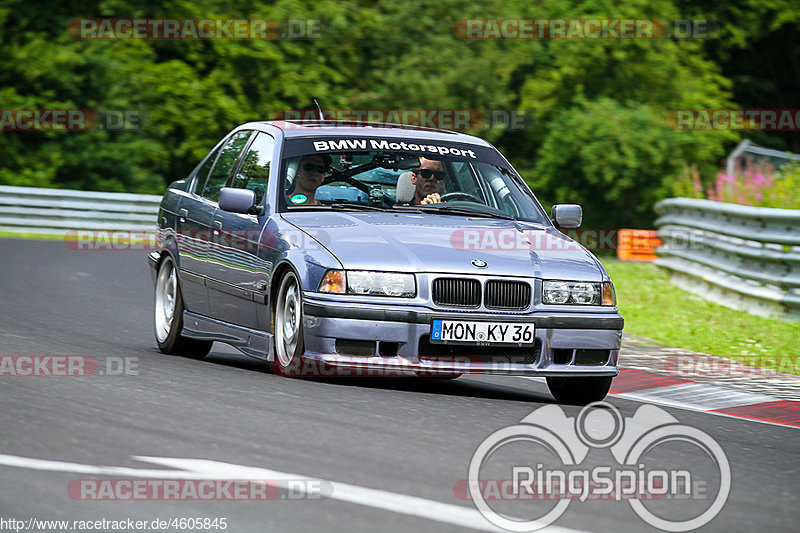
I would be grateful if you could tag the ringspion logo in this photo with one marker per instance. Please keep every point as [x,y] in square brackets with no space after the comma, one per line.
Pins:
[521,469]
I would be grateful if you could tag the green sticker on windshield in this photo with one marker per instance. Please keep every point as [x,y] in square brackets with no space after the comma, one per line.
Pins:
[299,198]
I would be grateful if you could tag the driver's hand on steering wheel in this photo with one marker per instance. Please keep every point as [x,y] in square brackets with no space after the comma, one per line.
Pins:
[433,198]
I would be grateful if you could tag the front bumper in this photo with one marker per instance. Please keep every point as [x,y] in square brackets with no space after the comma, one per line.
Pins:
[405,330]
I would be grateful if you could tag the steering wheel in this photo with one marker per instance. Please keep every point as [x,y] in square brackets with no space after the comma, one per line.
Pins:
[458,195]
[358,185]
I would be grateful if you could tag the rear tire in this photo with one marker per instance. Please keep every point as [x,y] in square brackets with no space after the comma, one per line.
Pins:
[579,391]
[168,316]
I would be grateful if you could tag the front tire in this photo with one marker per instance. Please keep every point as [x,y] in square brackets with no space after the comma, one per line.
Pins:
[288,331]
[579,391]
[168,316]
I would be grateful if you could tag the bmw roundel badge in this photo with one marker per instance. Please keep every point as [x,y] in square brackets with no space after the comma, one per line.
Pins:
[479,263]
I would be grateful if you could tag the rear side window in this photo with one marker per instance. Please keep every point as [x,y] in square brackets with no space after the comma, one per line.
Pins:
[228,155]
[254,171]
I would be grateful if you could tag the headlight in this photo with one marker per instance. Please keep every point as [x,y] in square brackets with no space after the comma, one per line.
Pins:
[369,283]
[578,293]
[556,292]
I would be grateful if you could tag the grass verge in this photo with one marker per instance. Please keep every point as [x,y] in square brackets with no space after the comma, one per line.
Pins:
[656,309]
[45,236]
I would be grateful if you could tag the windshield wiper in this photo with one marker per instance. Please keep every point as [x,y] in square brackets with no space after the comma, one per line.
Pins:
[330,207]
[450,210]
[359,207]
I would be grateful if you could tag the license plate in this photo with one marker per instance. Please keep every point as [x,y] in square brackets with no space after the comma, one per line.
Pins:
[478,332]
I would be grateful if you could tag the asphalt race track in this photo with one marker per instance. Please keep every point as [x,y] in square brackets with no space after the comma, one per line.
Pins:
[386,453]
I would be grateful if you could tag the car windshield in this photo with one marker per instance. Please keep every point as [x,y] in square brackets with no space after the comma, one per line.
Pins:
[370,175]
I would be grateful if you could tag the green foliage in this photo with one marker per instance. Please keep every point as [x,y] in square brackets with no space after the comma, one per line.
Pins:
[598,106]
[758,48]
[614,160]
[785,190]
[687,184]
[757,185]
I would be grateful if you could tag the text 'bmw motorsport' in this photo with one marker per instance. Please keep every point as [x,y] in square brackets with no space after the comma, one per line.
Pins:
[383,144]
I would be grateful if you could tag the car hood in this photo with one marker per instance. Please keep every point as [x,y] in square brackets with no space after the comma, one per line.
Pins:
[411,242]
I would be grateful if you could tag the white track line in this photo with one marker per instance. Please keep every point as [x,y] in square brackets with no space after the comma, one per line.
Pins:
[457,515]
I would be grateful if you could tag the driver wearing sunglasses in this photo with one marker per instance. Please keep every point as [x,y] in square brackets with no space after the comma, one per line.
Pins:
[428,181]
[310,174]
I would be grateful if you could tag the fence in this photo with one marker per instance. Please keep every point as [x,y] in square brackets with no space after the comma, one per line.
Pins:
[28,210]
[740,256]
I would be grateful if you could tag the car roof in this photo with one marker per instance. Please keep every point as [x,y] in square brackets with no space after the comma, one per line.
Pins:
[333,128]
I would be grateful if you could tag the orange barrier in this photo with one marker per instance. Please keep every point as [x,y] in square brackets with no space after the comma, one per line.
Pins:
[637,245]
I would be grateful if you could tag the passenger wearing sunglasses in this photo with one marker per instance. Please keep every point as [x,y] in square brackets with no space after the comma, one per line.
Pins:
[309,176]
[428,181]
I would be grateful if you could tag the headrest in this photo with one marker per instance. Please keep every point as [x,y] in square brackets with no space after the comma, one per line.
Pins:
[405,189]
[291,171]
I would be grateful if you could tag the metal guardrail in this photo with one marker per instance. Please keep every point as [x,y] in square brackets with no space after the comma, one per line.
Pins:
[55,211]
[756,153]
[741,256]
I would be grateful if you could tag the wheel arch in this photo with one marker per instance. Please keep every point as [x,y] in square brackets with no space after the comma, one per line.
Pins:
[277,275]
[173,255]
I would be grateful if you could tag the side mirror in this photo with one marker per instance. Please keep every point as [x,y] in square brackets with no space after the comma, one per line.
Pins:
[567,215]
[238,201]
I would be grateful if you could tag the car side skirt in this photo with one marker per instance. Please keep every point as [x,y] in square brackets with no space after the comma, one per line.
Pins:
[251,342]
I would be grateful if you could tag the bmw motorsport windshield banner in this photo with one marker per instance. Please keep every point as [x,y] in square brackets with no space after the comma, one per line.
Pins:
[430,149]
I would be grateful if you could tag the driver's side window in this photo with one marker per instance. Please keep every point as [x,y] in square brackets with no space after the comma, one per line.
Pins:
[254,170]
[228,155]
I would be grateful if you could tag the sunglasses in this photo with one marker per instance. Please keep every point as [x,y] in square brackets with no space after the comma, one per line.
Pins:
[426,173]
[311,167]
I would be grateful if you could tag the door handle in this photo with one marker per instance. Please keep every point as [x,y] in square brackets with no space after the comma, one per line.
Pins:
[183,212]
[218,224]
